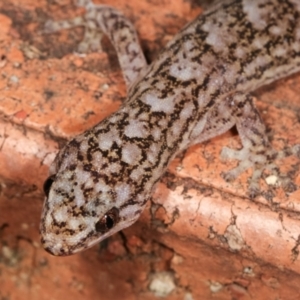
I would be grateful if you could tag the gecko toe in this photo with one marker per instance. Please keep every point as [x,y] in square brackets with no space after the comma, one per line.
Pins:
[228,176]
[288,185]
[296,150]
[253,191]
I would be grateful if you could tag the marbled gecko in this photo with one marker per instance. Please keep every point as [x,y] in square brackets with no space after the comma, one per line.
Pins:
[196,89]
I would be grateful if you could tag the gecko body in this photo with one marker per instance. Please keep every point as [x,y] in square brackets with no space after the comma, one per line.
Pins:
[196,89]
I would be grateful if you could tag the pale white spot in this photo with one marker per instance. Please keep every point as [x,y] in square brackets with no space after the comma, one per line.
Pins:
[114,118]
[231,72]
[153,152]
[259,61]
[260,42]
[83,178]
[67,161]
[219,38]
[202,99]
[131,154]
[73,223]
[165,105]
[133,47]
[98,161]
[105,141]
[101,186]
[84,146]
[79,197]
[63,183]
[240,52]
[255,14]
[89,183]
[163,123]
[177,71]
[187,111]
[208,60]
[185,71]
[189,45]
[136,174]
[129,211]
[114,168]
[136,128]
[160,85]
[60,214]
[280,51]
[55,199]
[197,130]
[156,133]
[216,82]
[182,67]
[123,193]
[276,30]
[144,116]
[174,133]
[216,40]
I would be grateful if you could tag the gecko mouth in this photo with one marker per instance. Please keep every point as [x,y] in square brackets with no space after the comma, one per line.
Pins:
[57,249]
[65,244]
[62,251]
[63,248]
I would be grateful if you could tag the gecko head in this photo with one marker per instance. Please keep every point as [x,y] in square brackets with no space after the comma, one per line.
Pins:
[83,206]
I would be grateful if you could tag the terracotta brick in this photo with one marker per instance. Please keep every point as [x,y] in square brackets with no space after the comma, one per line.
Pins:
[199,237]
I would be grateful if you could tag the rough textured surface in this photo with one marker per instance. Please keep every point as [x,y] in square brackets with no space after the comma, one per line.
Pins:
[199,233]
[196,89]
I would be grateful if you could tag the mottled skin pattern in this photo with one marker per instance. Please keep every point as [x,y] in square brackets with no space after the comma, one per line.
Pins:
[197,88]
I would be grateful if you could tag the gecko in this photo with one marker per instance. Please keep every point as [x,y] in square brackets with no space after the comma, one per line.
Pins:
[198,87]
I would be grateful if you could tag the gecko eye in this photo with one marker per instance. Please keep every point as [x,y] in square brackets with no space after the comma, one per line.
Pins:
[108,221]
[47,184]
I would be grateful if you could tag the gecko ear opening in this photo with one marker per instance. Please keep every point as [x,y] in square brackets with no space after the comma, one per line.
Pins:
[47,184]
[108,221]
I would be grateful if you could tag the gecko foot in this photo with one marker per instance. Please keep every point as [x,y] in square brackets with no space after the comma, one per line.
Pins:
[260,160]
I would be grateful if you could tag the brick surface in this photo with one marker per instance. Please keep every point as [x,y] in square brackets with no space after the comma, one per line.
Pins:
[199,237]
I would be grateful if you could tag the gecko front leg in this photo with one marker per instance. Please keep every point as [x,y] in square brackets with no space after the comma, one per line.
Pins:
[257,153]
[102,19]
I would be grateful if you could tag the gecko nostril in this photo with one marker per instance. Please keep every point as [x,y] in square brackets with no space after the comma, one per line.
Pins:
[48,184]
